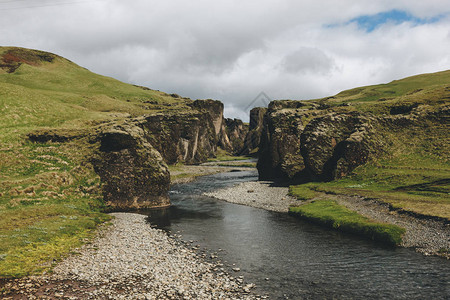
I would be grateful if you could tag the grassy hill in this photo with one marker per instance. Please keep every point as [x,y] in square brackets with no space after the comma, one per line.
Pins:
[49,197]
[39,89]
[424,88]
[412,173]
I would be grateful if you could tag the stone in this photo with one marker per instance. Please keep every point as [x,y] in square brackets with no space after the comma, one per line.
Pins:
[132,172]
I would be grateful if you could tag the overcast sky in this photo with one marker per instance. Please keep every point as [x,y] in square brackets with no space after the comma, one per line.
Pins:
[233,50]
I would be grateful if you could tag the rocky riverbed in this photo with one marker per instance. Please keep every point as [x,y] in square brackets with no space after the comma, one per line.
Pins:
[131,260]
[260,194]
[430,237]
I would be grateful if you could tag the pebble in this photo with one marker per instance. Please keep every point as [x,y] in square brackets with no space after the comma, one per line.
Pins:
[260,194]
[131,260]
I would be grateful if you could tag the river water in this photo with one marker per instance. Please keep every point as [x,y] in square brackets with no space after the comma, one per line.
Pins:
[290,259]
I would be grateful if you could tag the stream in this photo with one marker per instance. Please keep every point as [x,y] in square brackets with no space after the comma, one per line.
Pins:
[290,259]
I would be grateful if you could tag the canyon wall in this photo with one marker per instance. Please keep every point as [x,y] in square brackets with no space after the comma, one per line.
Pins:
[313,140]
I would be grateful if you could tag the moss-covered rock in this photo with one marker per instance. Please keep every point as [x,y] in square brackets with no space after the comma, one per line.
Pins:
[236,131]
[187,137]
[335,144]
[279,148]
[132,172]
[253,136]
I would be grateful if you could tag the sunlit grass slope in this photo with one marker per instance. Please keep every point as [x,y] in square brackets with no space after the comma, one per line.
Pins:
[413,172]
[49,194]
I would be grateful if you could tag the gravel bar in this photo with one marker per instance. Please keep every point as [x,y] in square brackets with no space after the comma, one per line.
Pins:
[131,260]
[260,194]
[427,236]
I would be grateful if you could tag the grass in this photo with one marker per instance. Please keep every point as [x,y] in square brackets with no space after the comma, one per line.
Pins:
[414,175]
[329,213]
[414,87]
[50,199]
[306,191]
[49,205]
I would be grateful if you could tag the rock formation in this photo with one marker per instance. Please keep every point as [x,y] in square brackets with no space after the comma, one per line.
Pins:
[236,131]
[252,140]
[132,172]
[131,155]
[319,140]
[279,149]
[335,144]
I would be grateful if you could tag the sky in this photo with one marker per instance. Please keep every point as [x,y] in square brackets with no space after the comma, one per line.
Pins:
[235,51]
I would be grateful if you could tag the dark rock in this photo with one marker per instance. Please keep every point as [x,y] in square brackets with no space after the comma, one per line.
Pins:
[132,172]
[279,149]
[253,136]
[333,145]
[55,135]
[402,109]
[236,131]
[279,104]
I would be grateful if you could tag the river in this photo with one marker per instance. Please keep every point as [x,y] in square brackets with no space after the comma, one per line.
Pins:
[290,259]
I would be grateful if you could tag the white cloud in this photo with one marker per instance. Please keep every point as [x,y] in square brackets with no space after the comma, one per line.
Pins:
[232,50]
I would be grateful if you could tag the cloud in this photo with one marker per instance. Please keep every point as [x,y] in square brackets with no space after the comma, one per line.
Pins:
[233,50]
[307,60]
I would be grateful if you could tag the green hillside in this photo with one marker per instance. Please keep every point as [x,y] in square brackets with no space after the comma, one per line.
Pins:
[414,88]
[39,89]
[412,172]
[49,196]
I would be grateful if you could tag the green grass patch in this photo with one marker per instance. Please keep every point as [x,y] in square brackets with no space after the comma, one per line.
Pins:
[49,204]
[330,214]
[306,191]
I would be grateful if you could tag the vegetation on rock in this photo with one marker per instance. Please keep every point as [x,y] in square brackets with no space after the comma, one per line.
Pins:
[387,141]
[74,144]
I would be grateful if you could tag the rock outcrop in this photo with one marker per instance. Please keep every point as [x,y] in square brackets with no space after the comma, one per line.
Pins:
[187,137]
[236,131]
[253,137]
[279,148]
[132,172]
[130,155]
[333,145]
[316,140]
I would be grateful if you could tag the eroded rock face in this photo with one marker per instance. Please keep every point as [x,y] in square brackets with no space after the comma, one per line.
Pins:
[333,145]
[303,140]
[132,172]
[236,131]
[253,136]
[188,137]
[279,148]
[214,108]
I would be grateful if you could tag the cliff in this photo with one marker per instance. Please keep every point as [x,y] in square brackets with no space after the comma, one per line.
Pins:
[253,137]
[122,135]
[327,139]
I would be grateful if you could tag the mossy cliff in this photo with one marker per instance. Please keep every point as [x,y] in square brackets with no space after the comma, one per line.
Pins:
[253,137]
[328,138]
[387,142]
[127,134]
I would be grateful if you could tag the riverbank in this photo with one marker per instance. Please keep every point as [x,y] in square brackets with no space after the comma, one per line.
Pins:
[187,173]
[131,260]
[259,194]
[427,236]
